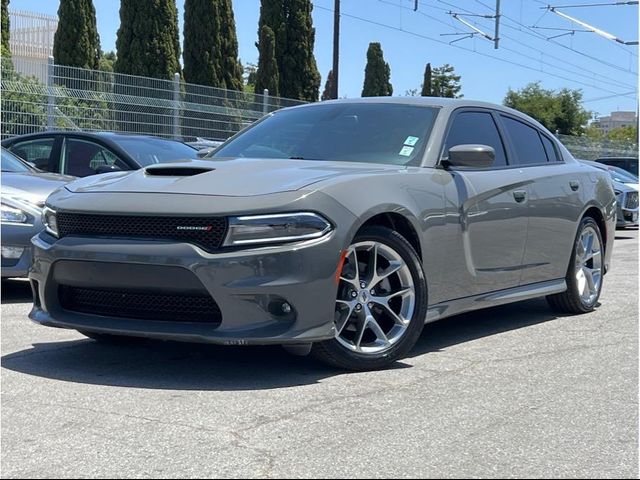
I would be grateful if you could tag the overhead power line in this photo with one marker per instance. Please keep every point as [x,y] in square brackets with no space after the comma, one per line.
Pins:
[441,42]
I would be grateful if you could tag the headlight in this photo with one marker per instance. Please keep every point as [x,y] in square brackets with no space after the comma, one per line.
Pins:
[49,220]
[289,227]
[13,215]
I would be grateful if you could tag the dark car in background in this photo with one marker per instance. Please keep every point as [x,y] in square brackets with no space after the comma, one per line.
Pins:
[630,164]
[84,153]
[24,190]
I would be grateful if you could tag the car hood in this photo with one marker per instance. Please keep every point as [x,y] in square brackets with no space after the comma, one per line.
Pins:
[34,187]
[225,177]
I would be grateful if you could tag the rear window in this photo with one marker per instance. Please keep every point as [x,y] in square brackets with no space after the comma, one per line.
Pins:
[149,151]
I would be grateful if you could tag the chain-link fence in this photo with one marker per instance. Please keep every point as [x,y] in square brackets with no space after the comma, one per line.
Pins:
[78,99]
[586,148]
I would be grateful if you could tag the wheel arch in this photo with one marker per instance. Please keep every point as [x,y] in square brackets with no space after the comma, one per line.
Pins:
[404,223]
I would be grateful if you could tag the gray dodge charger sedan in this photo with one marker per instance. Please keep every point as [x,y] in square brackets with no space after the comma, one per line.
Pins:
[337,228]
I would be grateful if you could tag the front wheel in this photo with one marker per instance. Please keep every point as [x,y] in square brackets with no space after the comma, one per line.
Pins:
[586,268]
[381,304]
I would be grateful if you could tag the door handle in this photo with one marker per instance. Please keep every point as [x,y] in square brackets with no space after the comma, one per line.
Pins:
[575,185]
[520,195]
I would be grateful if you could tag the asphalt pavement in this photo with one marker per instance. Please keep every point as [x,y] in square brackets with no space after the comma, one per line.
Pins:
[514,391]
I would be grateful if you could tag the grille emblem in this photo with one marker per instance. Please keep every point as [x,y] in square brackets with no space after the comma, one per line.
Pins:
[200,229]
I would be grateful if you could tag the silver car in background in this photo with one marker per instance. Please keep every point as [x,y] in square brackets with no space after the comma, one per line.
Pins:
[24,190]
[337,229]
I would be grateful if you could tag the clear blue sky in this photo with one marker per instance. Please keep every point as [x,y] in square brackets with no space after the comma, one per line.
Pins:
[411,39]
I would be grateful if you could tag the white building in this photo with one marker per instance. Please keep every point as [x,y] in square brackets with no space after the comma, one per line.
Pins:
[615,120]
[31,42]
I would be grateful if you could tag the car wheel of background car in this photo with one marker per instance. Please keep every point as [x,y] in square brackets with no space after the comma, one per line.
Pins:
[381,303]
[111,339]
[584,278]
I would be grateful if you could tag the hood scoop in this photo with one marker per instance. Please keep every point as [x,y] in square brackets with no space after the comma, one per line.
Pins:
[177,171]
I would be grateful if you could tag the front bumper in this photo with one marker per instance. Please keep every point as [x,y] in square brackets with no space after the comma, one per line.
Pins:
[18,235]
[244,284]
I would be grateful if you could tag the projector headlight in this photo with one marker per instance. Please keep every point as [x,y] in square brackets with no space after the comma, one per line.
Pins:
[13,215]
[50,221]
[288,227]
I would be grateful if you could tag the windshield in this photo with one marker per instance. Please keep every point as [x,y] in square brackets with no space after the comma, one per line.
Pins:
[349,132]
[620,175]
[11,163]
[147,151]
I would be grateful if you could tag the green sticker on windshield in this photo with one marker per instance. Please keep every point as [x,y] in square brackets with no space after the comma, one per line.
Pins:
[406,151]
[411,141]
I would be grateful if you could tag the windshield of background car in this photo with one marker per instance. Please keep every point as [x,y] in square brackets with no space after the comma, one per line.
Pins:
[365,132]
[148,151]
[622,176]
[11,163]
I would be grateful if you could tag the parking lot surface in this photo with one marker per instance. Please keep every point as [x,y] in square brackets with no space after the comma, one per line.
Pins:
[511,391]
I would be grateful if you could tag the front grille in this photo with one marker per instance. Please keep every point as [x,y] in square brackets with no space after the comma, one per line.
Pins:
[206,232]
[632,201]
[144,305]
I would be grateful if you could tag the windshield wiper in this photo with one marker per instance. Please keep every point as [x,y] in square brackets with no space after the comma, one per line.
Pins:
[303,158]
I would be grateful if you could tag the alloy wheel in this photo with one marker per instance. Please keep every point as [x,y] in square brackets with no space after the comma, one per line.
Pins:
[588,265]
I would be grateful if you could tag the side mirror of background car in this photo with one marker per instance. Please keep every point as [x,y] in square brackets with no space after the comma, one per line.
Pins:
[479,156]
[107,169]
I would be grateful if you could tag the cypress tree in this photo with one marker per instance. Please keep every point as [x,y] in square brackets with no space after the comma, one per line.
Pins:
[76,42]
[377,74]
[427,88]
[211,44]
[299,76]
[267,75]
[148,42]
[5,52]
[273,16]
[327,94]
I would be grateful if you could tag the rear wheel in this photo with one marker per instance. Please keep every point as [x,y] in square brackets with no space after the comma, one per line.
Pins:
[584,277]
[381,304]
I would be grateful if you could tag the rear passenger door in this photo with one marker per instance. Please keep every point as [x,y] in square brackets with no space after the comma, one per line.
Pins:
[40,152]
[554,200]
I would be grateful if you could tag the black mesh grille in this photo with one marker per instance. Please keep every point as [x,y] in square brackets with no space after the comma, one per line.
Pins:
[206,232]
[141,305]
[632,200]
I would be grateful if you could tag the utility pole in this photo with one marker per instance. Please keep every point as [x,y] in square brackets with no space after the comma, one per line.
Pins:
[496,37]
[336,48]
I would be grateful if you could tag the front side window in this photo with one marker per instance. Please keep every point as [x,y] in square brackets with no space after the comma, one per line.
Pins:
[349,132]
[476,128]
[36,152]
[526,142]
[82,158]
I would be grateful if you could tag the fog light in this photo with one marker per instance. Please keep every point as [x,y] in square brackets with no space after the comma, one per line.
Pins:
[12,252]
[286,308]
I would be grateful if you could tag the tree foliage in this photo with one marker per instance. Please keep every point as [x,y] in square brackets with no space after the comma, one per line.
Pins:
[445,83]
[427,83]
[377,74]
[267,75]
[560,112]
[76,42]
[627,133]
[211,45]
[327,94]
[293,36]
[5,49]
[148,42]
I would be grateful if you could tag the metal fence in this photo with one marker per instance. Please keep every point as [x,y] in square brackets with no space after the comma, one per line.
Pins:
[587,148]
[79,99]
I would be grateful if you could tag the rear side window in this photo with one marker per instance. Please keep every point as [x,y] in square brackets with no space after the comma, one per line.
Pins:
[36,152]
[550,148]
[476,128]
[526,142]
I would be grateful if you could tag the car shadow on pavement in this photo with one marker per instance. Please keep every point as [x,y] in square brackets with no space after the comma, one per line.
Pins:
[159,365]
[16,291]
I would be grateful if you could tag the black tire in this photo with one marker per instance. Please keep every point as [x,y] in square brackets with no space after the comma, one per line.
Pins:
[570,301]
[108,339]
[335,354]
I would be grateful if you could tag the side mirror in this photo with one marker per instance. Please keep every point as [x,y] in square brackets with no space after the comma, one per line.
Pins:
[107,169]
[478,156]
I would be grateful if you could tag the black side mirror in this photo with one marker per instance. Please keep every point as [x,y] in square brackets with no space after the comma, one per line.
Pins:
[478,156]
[107,169]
